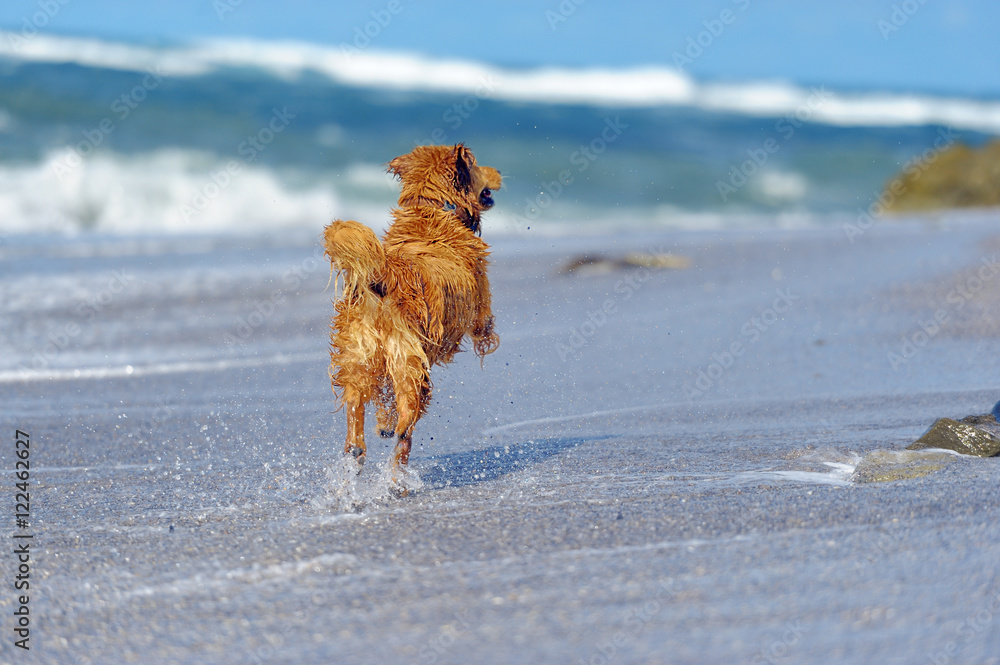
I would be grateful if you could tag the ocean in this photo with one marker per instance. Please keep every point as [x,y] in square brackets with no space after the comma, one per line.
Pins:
[244,136]
[654,466]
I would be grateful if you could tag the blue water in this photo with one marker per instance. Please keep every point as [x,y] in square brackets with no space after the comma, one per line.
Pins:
[142,143]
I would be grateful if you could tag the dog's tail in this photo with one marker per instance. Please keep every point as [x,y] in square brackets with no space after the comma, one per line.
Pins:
[355,251]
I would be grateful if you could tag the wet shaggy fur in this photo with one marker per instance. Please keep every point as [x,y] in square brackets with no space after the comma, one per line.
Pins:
[410,300]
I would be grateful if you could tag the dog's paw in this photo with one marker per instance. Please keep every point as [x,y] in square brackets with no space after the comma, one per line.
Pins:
[359,456]
[386,419]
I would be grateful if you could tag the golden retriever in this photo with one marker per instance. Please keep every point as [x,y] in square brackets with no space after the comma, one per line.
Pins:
[410,300]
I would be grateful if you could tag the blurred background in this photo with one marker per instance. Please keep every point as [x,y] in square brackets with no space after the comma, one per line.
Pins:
[234,116]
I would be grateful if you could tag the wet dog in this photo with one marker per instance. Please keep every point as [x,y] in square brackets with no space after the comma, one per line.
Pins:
[410,300]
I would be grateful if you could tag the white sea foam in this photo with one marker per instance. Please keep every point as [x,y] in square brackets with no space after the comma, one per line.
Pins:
[781,186]
[175,191]
[170,190]
[150,369]
[833,477]
[618,88]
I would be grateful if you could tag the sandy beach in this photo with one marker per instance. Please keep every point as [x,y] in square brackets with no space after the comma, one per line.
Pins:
[655,467]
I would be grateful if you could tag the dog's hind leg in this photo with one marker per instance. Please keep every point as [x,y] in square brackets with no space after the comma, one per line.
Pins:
[354,368]
[358,385]
[355,444]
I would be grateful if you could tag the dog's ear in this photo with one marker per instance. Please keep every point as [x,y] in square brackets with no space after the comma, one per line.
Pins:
[463,173]
[398,165]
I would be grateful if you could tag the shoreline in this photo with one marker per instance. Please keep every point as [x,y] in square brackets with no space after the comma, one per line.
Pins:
[558,496]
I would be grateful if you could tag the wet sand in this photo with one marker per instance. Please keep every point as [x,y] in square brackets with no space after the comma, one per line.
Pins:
[655,467]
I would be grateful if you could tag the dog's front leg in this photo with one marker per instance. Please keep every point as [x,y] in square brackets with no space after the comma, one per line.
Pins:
[485,340]
[402,453]
[404,441]
[408,412]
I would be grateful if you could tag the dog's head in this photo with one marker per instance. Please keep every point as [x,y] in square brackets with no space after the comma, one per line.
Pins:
[449,176]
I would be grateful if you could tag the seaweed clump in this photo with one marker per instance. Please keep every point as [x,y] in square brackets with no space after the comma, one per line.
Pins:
[959,176]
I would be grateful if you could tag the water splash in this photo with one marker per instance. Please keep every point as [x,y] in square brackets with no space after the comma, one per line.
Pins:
[377,485]
[890,465]
[835,467]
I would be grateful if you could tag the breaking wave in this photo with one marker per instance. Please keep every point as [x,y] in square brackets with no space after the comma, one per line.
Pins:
[619,88]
